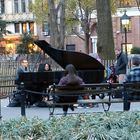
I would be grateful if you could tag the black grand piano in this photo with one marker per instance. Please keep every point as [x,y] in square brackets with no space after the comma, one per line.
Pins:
[88,68]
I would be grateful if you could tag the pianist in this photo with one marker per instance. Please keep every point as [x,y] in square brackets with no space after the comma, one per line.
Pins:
[24,67]
[70,79]
[43,67]
[16,99]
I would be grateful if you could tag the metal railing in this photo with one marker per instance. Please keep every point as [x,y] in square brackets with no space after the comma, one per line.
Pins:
[6,88]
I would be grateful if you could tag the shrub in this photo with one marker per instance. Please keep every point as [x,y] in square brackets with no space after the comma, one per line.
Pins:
[95,126]
[135,50]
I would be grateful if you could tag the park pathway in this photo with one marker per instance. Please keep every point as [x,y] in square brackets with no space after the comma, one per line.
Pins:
[43,113]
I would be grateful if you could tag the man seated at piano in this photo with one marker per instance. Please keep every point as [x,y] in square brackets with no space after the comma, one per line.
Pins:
[69,79]
[23,67]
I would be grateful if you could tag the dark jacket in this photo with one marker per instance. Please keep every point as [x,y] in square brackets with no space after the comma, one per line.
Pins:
[121,65]
[19,71]
[65,80]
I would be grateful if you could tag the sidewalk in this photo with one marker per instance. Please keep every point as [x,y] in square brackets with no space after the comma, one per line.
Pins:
[43,113]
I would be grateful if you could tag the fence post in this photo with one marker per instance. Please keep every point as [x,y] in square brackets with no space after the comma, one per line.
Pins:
[23,113]
[125,96]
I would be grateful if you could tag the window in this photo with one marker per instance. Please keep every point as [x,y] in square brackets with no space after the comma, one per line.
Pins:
[24,27]
[45,28]
[94,44]
[16,6]
[70,47]
[16,27]
[31,27]
[2,7]
[23,6]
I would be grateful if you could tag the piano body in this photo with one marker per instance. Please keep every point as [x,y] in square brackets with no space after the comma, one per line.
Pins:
[88,68]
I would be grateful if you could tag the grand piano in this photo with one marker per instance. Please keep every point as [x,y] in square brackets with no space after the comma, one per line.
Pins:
[88,68]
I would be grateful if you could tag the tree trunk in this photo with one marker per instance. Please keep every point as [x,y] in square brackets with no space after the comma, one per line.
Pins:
[86,29]
[87,37]
[105,42]
[62,24]
[57,23]
[54,33]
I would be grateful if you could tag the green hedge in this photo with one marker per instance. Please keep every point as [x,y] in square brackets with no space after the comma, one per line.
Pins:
[95,126]
[135,50]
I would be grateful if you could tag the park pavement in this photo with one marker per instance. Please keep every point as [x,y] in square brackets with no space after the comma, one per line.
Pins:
[8,113]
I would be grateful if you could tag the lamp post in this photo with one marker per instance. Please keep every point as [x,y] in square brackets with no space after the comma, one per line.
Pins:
[125,23]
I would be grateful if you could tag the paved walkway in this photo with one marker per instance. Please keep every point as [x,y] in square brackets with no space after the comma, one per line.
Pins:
[43,113]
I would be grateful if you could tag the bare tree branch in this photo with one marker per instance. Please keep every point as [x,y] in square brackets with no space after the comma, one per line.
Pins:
[78,35]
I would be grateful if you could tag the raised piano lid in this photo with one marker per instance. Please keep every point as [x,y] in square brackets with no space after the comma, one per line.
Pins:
[81,61]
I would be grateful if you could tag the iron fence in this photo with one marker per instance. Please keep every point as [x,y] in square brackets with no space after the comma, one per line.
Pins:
[8,72]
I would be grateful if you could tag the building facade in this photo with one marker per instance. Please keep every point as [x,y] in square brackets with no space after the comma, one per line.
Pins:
[20,19]
[72,42]
[133,31]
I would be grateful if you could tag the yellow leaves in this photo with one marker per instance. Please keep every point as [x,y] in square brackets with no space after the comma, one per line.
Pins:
[113,6]
[82,119]
[127,2]
[121,3]
[138,122]
[88,3]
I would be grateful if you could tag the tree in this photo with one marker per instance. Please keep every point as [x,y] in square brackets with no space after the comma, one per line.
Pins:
[79,13]
[2,27]
[26,45]
[105,42]
[52,11]
[3,30]
[27,48]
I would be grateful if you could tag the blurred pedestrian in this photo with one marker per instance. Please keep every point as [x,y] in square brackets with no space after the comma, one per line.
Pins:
[133,77]
[121,65]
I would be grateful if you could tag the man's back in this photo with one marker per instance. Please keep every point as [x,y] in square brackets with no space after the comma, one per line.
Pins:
[134,75]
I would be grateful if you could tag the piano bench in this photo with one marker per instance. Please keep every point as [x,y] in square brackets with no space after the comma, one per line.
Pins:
[107,89]
[52,105]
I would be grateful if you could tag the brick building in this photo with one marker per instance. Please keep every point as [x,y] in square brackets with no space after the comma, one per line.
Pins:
[20,19]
